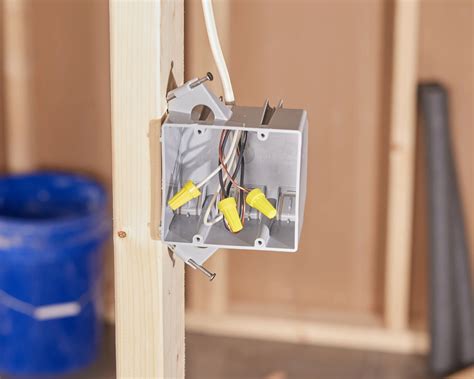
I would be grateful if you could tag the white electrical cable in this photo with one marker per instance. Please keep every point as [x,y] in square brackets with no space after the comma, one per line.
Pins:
[208,211]
[233,147]
[217,51]
[230,159]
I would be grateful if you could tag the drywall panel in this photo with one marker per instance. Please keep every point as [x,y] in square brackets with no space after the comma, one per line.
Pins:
[446,55]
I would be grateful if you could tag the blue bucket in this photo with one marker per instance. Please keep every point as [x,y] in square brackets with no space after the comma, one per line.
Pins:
[52,228]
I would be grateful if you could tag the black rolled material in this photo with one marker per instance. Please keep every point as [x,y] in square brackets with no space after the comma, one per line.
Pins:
[451,298]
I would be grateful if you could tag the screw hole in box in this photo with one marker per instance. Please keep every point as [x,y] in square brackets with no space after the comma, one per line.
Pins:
[260,242]
[262,136]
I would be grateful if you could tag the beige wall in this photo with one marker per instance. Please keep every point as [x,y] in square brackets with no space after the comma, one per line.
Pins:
[67,84]
[333,58]
[70,85]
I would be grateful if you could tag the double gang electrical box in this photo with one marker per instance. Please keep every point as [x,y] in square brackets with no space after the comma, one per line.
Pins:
[275,162]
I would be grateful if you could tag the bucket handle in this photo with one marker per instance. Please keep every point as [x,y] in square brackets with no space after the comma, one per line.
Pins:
[45,312]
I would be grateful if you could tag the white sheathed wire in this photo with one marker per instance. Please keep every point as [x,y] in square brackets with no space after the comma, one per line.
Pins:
[217,51]
[233,147]
[223,73]
[208,210]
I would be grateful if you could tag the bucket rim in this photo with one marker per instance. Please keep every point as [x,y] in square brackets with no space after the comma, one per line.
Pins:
[66,221]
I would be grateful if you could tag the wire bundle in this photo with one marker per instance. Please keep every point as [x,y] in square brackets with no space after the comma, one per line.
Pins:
[239,163]
[231,166]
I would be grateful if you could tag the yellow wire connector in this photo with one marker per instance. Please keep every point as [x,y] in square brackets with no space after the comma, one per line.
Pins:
[185,194]
[256,199]
[228,208]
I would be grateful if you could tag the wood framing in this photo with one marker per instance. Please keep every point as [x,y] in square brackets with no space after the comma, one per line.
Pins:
[401,165]
[371,337]
[146,57]
[16,67]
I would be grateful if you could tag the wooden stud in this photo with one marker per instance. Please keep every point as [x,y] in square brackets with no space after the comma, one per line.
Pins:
[146,51]
[17,75]
[401,165]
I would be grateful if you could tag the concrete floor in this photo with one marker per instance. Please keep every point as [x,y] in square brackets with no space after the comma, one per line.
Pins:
[210,357]
[229,358]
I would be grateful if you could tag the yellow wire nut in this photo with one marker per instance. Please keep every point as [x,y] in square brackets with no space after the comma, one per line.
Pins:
[256,199]
[185,194]
[228,208]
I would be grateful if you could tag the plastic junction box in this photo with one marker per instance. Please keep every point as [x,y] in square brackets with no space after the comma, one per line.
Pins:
[275,162]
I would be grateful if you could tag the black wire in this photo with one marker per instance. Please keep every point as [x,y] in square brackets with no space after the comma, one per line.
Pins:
[221,181]
[242,176]
[240,166]
[242,193]
[221,178]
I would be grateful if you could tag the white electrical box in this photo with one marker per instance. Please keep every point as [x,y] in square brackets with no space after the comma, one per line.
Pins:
[275,161]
